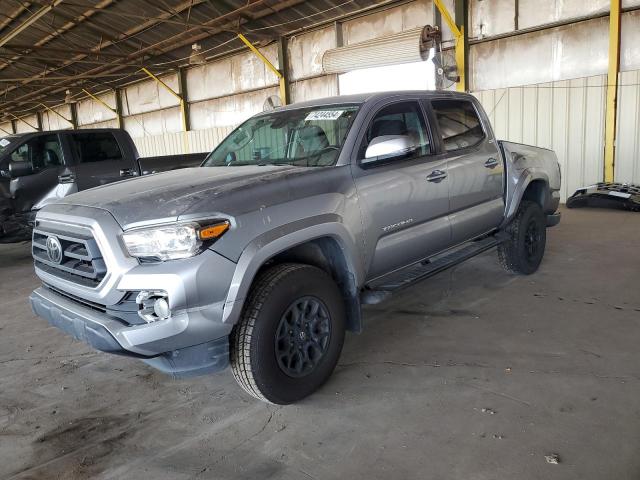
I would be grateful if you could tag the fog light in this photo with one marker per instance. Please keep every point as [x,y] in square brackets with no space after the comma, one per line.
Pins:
[153,305]
[161,309]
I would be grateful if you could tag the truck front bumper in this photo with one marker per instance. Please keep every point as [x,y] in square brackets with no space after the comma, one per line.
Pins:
[110,335]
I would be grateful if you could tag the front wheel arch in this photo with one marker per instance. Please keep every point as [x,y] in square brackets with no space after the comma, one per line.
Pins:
[327,254]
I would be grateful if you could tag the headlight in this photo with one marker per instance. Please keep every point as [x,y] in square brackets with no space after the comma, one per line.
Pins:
[171,242]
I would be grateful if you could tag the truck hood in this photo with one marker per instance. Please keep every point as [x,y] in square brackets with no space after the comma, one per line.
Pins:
[191,191]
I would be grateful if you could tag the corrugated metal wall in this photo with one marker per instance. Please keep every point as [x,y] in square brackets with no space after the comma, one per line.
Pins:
[627,165]
[568,117]
[565,116]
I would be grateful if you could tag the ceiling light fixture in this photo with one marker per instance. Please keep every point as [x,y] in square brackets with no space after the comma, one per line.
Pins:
[196,57]
[68,98]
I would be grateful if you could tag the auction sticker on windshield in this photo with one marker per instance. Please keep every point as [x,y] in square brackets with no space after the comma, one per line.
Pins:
[324,115]
[4,142]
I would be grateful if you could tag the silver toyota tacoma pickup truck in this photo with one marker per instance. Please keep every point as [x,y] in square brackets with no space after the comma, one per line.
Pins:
[262,257]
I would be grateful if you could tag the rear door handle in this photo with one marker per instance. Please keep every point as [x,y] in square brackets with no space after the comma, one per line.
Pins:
[127,172]
[66,178]
[491,163]
[436,176]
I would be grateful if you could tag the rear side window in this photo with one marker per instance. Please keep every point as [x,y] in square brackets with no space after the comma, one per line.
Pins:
[96,147]
[459,124]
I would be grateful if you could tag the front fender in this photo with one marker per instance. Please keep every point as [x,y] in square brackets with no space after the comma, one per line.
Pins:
[280,239]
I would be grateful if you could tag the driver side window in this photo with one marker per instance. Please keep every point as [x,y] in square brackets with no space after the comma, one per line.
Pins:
[42,151]
[400,124]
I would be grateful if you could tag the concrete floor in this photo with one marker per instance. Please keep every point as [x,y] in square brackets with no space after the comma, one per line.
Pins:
[472,374]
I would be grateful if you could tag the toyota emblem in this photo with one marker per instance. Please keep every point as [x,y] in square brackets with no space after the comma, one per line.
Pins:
[54,249]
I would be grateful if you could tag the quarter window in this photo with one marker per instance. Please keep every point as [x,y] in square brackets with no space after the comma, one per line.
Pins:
[458,123]
[96,147]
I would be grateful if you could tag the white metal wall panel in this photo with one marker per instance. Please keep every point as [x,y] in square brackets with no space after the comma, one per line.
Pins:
[148,96]
[320,87]
[154,123]
[387,22]
[573,51]
[22,127]
[491,18]
[630,41]
[231,75]
[627,162]
[565,116]
[228,111]
[91,111]
[305,52]
[113,123]
[539,12]
[51,121]
[207,140]
[167,144]
[180,142]
[5,129]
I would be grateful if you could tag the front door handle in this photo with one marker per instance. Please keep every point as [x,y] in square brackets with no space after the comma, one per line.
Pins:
[66,178]
[127,172]
[491,163]
[436,176]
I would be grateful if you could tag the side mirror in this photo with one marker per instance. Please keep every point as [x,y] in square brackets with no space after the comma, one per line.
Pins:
[386,147]
[20,169]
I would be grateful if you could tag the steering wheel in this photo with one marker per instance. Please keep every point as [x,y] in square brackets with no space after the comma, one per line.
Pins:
[321,153]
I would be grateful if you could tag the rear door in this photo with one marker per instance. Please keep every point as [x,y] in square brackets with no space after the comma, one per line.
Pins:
[99,159]
[404,199]
[474,165]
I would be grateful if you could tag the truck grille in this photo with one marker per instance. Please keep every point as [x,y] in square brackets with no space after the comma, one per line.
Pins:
[75,258]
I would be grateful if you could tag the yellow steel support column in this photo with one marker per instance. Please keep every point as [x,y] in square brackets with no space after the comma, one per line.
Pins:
[183,107]
[281,78]
[612,91]
[458,35]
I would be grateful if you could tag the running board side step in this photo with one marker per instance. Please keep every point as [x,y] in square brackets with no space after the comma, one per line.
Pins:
[381,288]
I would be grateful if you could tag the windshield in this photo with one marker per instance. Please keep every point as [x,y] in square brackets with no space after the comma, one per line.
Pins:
[310,137]
[6,144]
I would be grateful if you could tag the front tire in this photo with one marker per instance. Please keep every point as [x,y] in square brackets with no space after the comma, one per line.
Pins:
[524,249]
[289,339]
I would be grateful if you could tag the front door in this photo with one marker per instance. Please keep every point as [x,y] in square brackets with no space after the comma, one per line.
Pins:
[475,168]
[99,159]
[44,153]
[403,195]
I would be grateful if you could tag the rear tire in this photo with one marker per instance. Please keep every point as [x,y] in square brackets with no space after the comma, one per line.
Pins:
[523,251]
[289,339]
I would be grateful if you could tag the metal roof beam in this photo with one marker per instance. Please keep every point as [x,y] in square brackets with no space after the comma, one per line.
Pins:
[29,21]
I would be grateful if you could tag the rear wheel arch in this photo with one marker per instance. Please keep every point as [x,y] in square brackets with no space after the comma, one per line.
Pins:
[537,191]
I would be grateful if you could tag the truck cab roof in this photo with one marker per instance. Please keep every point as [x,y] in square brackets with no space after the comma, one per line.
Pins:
[361,98]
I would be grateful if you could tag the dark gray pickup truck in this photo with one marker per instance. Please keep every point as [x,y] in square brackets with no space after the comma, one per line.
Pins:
[262,257]
[40,167]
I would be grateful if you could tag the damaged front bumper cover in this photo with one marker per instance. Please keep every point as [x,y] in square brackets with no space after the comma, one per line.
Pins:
[102,333]
[608,195]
